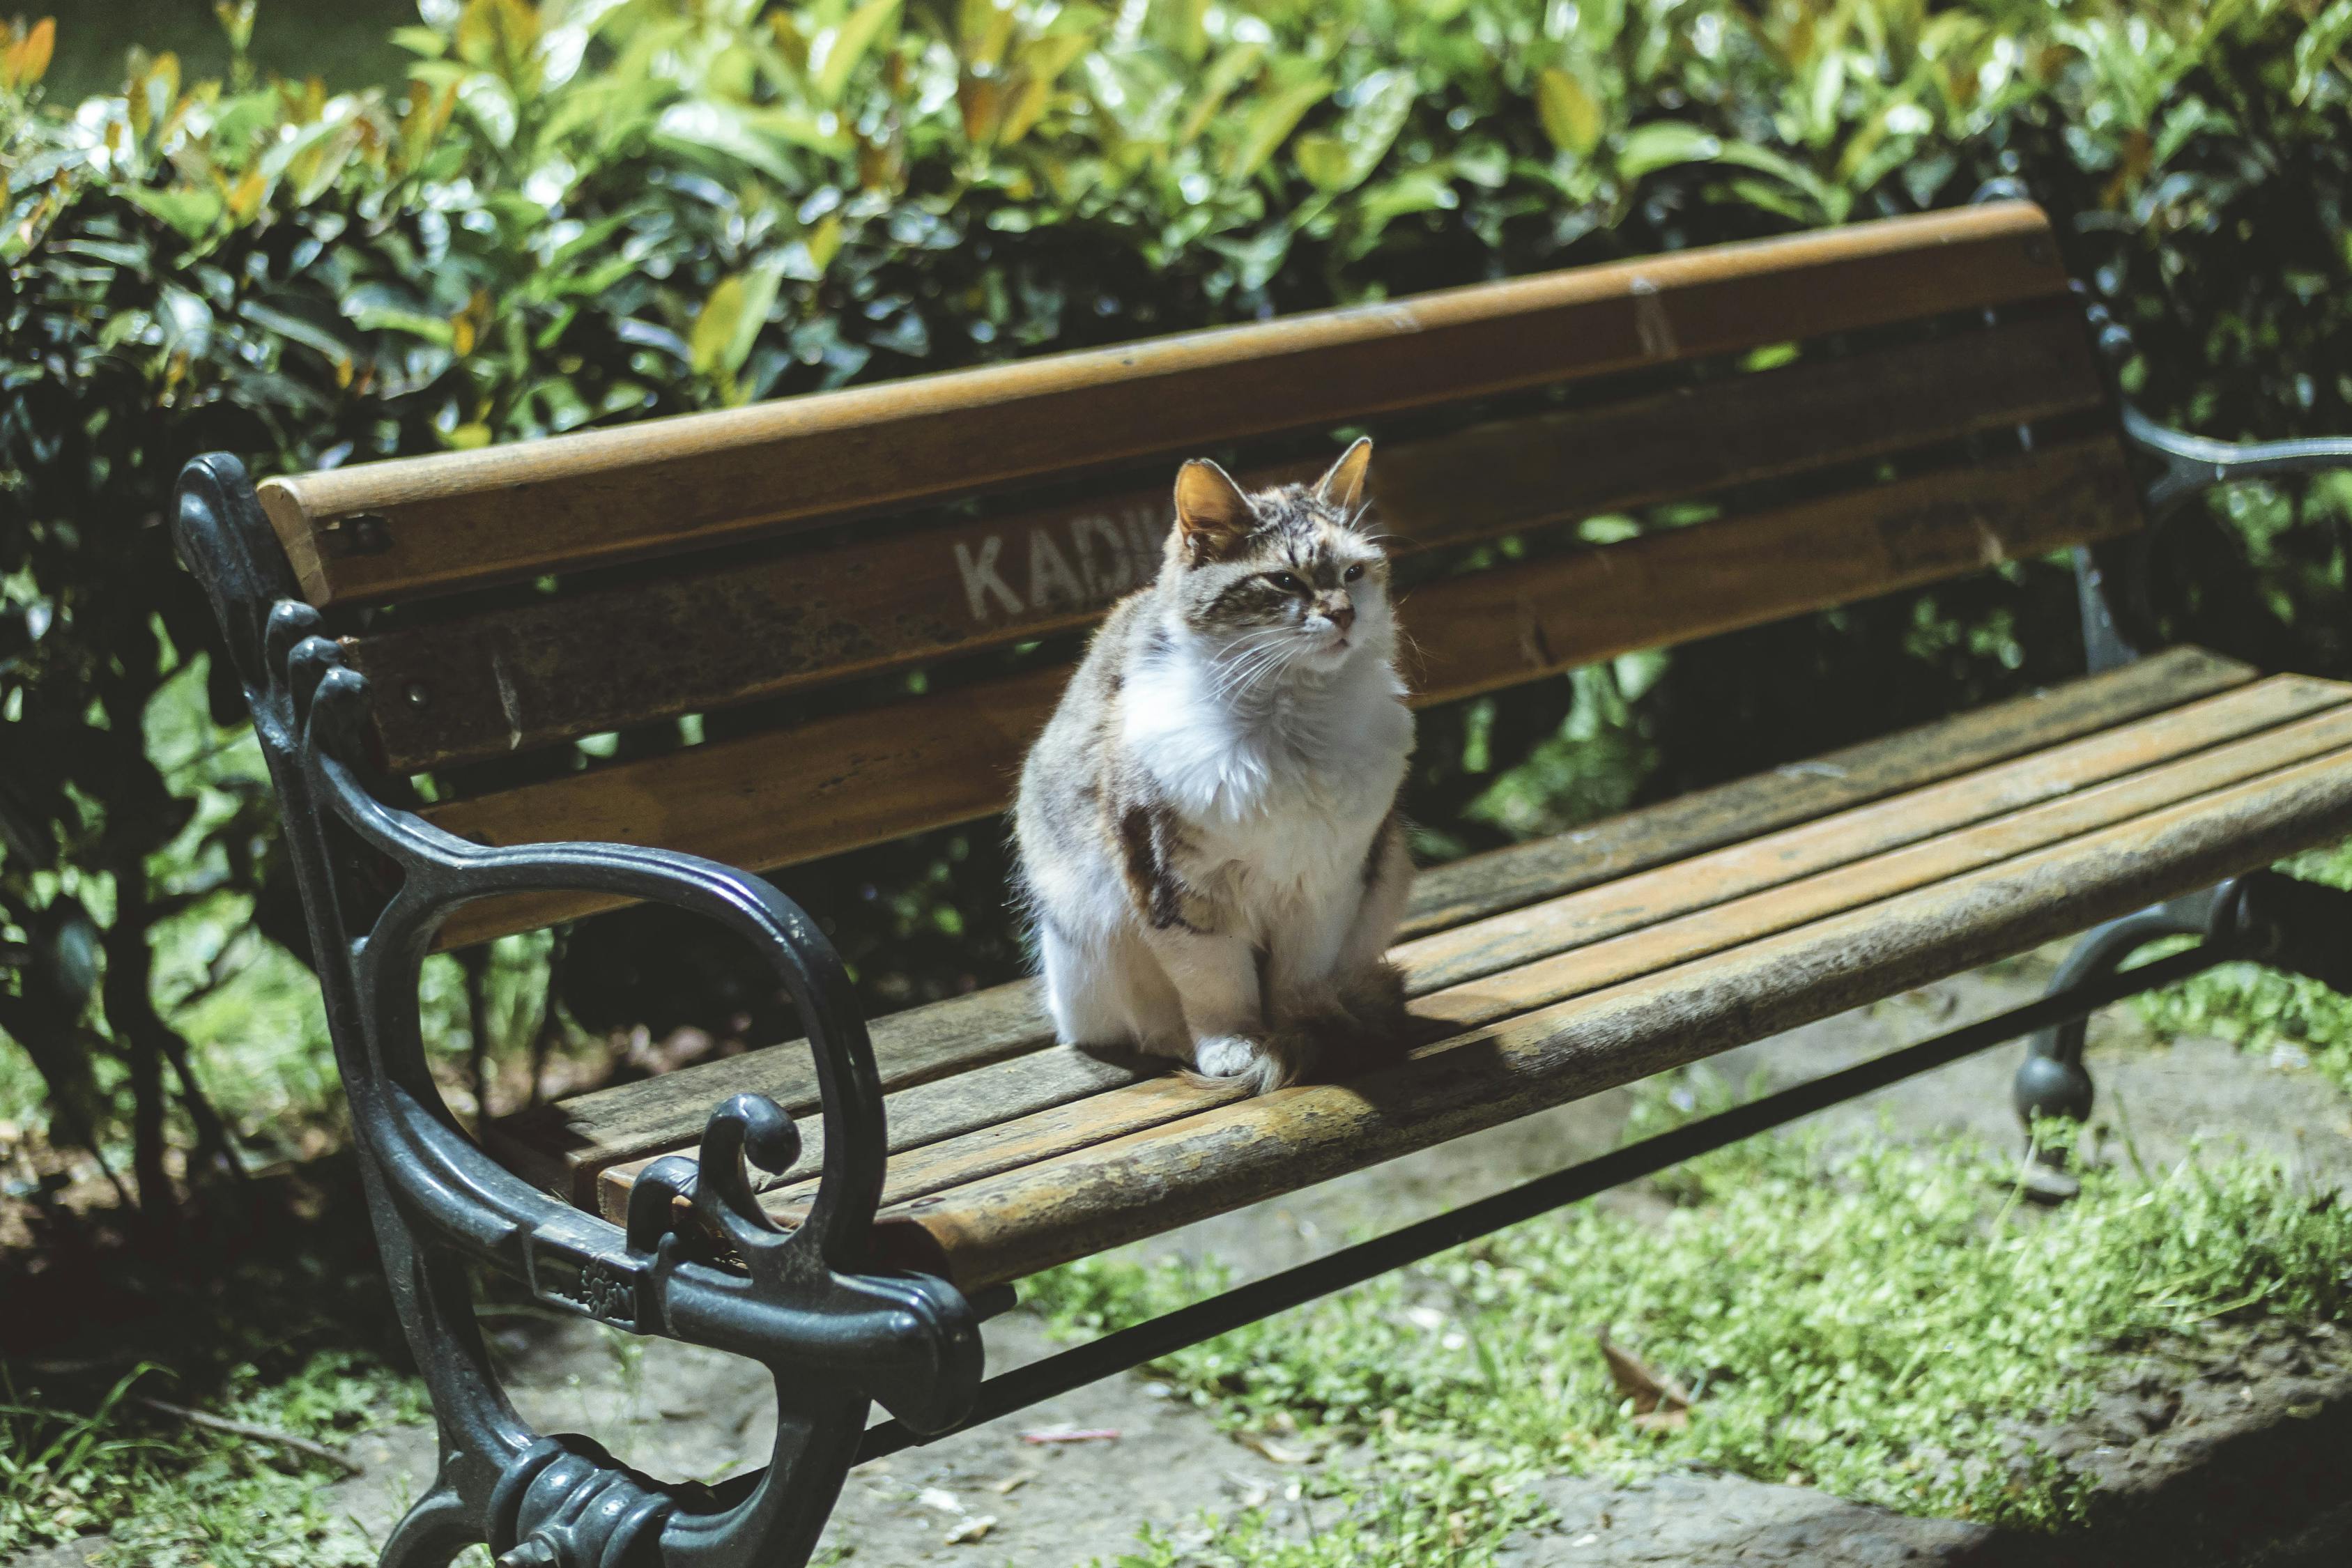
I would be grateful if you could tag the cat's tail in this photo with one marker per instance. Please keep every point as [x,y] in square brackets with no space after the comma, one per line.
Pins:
[1258,1067]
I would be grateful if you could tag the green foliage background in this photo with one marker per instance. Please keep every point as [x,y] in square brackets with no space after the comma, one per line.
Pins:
[586,211]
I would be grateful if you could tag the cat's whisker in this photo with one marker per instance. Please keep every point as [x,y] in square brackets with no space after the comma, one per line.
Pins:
[1263,660]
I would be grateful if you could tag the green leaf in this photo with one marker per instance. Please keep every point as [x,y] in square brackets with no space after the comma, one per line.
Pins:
[1414,191]
[422,42]
[2320,44]
[1663,142]
[729,320]
[190,211]
[1270,125]
[1573,117]
[1830,200]
[849,46]
[1343,158]
[1228,71]
[738,135]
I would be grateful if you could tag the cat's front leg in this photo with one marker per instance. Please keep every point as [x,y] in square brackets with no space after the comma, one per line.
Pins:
[1388,889]
[1369,989]
[1110,992]
[1216,980]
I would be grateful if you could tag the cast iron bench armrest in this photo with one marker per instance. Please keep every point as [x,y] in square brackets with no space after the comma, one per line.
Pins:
[2118,621]
[730,1279]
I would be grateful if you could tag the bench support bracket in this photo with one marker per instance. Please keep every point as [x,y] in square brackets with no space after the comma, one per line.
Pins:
[700,1262]
[2264,917]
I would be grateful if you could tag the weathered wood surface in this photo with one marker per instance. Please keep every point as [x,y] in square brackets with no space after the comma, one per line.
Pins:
[1489,629]
[511,679]
[563,1147]
[2245,724]
[415,526]
[839,783]
[1599,937]
[1705,819]
[1013,1225]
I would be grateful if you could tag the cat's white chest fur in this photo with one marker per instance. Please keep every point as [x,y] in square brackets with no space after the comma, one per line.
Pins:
[1285,790]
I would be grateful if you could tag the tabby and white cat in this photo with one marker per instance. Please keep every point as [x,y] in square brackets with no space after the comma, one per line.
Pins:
[1208,835]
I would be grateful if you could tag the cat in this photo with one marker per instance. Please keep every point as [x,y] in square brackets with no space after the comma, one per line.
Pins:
[1209,846]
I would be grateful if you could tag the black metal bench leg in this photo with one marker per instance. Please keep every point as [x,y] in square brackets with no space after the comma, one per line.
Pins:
[436,1531]
[2266,917]
[2051,1081]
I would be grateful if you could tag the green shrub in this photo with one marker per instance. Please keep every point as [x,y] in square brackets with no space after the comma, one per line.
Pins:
[582,212]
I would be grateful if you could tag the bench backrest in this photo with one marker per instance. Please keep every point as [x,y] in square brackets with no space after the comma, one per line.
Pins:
[845,593]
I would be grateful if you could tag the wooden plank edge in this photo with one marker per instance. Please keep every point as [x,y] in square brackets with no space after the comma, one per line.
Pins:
[1461,891]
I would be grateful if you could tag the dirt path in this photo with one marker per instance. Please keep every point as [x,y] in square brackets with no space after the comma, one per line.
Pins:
[2177,1463]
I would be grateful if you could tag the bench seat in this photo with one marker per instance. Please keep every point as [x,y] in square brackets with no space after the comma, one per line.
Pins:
[1557,968]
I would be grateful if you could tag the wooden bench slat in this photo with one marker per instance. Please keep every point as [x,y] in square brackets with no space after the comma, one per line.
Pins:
[411,527]
[516,677]
[1109,1193]
[996,1093]
[2247,723]
[788,795]
[565,1147]
[1599,937]
[1703,819]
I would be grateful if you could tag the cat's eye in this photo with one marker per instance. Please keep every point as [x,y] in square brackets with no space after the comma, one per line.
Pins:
[1351,573]
[1287,582]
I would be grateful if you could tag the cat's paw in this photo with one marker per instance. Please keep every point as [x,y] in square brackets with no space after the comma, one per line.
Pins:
[1281,1058]
[1225,1056]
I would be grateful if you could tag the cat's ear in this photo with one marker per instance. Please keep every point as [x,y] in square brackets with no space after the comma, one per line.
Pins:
[1211,513]
[1341,487]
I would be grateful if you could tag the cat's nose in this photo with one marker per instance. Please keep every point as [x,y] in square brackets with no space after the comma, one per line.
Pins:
[1342,614]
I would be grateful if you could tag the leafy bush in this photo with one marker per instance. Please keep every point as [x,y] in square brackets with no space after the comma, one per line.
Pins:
[584,211]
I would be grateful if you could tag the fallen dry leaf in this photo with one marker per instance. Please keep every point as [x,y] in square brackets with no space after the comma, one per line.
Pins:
[970,1529]
[1659,1404]
[1279,1453]
[1072,1435]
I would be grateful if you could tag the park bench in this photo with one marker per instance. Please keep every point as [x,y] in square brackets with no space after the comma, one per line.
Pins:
[1914,399]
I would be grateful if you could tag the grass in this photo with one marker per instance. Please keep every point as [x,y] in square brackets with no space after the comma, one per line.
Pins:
[170,1495]
[1881,1322]
[2264,1010]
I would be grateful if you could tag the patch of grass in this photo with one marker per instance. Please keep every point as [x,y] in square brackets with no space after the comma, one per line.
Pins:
[1425,1517]
[1876,1322]
[64,1472]
[170,1495]
[2263,1009]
